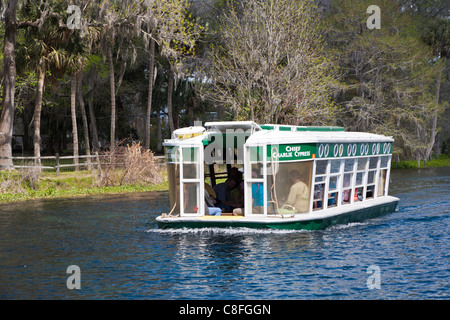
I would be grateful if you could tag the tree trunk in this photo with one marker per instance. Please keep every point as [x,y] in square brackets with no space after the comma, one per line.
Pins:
[150,93]
[113,99]
[83,113]
[9,83]
[93,123]
[159,142]
[435,112]
[37,112]
[169,100]
[73,113]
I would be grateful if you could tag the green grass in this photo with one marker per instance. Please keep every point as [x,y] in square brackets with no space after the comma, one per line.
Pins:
[441,161]
[79,184]
[68,184]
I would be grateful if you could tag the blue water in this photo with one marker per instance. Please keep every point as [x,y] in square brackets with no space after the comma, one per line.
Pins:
[122,255]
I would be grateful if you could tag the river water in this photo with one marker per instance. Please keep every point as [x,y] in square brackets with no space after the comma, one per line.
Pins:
[121,254]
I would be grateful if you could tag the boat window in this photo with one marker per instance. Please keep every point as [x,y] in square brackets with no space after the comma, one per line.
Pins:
[319,186]
[382,182]
[190,181]
[190,171]
[289,188]
[370,190]
[348,167]
[360,182]
[362,164]
[359,194]
[347,188]
[359,179]
[335,166]
[384,162]
[332,191]
[191,193]
[320,179]
[332,185]
[321,167]
[257,171]
[373,163]
[173,177]
[371,177]
[254,196]
[318,196]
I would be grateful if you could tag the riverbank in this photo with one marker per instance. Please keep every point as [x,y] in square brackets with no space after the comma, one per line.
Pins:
[441,161]
[16,187]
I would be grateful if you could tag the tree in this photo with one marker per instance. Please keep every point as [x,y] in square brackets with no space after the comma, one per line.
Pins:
[170,26]
[42,36]
[385,78]
[270,64]
[117,28]
[56,48]
[9,83]
[437,36]
[151,68]
[95,72]
[83,112]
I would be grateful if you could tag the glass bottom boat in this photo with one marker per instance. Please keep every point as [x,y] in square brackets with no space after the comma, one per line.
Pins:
[240,174]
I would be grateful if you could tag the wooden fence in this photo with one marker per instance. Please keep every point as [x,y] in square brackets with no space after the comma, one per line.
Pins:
[59,163]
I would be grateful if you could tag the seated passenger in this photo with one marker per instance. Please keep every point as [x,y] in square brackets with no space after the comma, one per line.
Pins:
[237,197]
[346,193]
[298,194]
[223,192]
[332,196]
[211,192]
[332,199]
[258,195]
[209,207]
[318,196]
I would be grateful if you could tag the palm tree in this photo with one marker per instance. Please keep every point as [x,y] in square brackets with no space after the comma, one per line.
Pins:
[51,47]
[75,59]
[41,50]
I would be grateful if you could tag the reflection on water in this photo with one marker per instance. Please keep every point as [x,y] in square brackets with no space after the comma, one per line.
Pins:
[122,255]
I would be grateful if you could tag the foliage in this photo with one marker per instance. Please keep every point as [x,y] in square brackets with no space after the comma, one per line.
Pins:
[269,64]
[387,81]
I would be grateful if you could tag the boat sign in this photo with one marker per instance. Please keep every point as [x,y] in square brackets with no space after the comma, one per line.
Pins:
[290,152]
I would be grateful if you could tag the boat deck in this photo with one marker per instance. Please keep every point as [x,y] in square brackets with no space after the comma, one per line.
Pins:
[311,221]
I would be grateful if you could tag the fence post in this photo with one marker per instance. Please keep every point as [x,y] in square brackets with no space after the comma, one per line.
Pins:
[99,165]
[57,165]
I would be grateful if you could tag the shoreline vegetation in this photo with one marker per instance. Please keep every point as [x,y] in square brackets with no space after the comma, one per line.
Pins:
[129,168]
[441,161]
[67,185]
[18,186]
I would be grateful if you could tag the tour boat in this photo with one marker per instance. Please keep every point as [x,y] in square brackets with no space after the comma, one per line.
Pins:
[287,177]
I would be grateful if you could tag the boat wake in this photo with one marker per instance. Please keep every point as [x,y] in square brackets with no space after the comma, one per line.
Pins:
[348,225]
[225,231]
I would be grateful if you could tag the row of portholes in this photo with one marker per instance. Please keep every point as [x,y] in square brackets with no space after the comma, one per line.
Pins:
[338,150]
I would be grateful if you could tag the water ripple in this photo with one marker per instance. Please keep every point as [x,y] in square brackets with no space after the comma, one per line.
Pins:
[122,255]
